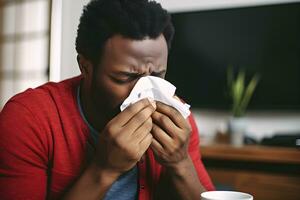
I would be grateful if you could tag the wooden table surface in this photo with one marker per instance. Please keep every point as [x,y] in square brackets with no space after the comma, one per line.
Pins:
[268,173]
[255,153]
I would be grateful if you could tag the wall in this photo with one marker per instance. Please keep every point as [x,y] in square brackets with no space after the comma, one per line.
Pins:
[65,19]
[191,5]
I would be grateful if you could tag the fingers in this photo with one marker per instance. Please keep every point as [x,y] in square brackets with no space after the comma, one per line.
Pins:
[156,146]
[167,133]
[130,111]
[171,112]
[143,130]
[161,136]
[165,123]
[130,119]
[145,143]
[140,119]
[142,136]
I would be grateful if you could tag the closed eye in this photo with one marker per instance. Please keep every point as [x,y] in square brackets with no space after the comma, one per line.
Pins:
[126,77]
[159,74]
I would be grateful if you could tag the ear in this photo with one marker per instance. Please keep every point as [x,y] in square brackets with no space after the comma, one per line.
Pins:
[85,66]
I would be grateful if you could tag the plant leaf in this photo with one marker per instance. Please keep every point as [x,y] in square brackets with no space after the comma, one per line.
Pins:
[238,92]
[249,92]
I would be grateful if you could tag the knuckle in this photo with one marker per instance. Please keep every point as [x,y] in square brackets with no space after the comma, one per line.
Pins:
[178,117]
[171,149]
[144,115]
[147,141]
[188,129]
[148,111]
[155,129]
[148,124]
[163,119]
[141,117]
[181,142]
[170,153]
[138,105]
[116,141]
[175,112]
[180,139]
[109,137]
[144,102]
[184,136]
[149,136]
[110,128]
[131,108]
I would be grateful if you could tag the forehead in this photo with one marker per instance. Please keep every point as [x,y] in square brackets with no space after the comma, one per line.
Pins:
[119,48]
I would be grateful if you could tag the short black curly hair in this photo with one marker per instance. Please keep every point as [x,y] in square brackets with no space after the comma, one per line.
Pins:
[133,19]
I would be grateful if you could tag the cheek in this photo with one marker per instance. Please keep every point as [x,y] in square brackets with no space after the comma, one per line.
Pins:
[114,93]
[119,93]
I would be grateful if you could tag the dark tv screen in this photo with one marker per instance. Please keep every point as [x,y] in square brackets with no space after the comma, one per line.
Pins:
[262,39]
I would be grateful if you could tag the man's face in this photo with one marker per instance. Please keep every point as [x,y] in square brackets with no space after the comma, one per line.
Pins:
[124,61]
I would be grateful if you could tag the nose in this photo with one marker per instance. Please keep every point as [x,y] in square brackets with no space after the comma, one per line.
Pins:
[149,68]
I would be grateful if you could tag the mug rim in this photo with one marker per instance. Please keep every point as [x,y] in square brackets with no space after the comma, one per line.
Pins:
[203,194]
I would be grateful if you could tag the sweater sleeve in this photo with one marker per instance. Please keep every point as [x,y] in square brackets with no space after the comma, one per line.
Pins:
[23,154]
[196,157]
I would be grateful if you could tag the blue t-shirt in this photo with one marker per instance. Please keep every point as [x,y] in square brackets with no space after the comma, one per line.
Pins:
[126,187]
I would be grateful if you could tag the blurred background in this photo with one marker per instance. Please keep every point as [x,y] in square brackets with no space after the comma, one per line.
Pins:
[259,37]
[24,45]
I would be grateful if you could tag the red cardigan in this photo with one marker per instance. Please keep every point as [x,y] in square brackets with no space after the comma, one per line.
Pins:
[44,144]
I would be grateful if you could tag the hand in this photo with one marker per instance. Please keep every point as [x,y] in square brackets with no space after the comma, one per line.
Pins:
[125,138]
[171,134]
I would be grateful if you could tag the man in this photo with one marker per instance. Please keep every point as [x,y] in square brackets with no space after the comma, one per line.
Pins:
[69,140]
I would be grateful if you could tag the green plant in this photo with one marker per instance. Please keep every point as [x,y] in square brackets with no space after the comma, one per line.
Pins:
[239,92]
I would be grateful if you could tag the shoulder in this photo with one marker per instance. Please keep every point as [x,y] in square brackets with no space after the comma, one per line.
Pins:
[48,91]
[28,117]
[45,97]
[40,106]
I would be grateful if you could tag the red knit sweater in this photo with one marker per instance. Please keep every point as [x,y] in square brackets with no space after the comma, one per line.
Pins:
[44,144]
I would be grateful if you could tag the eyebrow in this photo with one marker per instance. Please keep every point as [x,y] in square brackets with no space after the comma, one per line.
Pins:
[125,73]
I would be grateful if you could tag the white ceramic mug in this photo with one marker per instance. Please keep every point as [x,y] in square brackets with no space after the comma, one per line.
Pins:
[225,195]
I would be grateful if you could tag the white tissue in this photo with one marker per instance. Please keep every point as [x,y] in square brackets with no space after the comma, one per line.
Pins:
[157,89]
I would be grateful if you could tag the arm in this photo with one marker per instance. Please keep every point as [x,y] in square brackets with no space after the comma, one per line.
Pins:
[24,160]
[182,181]
[23,154]
[92,184]
[196,156]
[121,145]
[176,146]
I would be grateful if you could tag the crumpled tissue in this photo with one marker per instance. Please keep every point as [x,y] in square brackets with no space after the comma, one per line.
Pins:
[156,89]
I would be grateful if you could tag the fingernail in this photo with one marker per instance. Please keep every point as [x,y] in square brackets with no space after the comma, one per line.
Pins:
[152,102]
[176,97]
